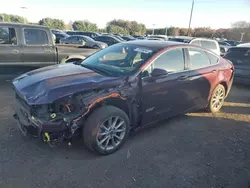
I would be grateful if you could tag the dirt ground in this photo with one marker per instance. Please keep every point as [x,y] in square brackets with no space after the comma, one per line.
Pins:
[194,150]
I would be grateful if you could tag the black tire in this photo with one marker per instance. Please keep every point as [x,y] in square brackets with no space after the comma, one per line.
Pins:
[211,108]
[92,128]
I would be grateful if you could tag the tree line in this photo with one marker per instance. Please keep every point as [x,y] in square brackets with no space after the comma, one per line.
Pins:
[237,30]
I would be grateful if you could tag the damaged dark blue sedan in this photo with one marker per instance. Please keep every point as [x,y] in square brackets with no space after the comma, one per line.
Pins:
[118,89]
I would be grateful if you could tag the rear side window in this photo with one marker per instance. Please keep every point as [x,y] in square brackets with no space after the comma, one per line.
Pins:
[35,37]
[213,59]
[208,44]
[195,42]
[198,58]
[8,36]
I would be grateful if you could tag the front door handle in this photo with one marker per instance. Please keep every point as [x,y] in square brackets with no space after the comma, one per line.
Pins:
[15,51]
[182,78]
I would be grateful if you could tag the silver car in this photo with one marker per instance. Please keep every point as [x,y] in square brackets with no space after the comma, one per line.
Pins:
[83,40]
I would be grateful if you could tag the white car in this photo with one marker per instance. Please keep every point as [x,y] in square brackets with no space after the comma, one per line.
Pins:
[209,44]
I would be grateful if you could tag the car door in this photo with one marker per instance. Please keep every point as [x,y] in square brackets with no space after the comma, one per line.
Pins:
[165,96]
[10,49]
[203,75]
[38,49]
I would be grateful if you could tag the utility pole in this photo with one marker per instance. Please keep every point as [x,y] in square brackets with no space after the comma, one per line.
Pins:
[153,29]
[190,20]
[166,33]
[23,8]
[241,38]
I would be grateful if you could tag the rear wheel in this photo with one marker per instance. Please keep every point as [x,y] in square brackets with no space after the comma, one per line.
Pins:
[217,99]
[106,129]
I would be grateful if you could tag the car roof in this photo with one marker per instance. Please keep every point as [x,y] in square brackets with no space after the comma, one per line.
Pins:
[21,25]
[155,44]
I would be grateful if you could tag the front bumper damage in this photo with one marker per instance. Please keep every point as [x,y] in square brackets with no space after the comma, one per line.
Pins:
[51,131]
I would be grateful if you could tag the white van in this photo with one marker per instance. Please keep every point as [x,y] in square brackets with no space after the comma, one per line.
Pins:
[210,44]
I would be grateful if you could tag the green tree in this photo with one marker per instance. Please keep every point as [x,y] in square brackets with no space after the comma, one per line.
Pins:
[12,18]
[52,23]
[116,29]
[84,26]
[129,27]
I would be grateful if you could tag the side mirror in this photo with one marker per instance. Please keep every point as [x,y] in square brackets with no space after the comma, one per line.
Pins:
[158,72]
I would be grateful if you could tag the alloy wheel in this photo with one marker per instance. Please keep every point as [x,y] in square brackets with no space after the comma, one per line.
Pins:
[111,133]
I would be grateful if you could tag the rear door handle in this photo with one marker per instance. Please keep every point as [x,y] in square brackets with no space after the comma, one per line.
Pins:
[15,51]
[214,71]
[184,77]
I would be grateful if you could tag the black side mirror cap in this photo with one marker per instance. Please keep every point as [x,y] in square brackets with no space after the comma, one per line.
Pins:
[158,72]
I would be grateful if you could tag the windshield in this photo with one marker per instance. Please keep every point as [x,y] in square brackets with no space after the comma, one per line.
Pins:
[118,60]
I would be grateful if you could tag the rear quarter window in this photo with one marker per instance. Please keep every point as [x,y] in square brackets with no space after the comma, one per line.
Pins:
[213,59]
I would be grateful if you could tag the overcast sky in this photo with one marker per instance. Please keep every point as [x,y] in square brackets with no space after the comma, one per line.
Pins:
[162,13]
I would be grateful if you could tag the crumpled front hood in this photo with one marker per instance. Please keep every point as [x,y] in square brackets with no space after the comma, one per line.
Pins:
[45,85]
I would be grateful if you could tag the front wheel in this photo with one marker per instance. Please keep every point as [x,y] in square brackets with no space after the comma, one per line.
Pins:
[106,129]
[217,99]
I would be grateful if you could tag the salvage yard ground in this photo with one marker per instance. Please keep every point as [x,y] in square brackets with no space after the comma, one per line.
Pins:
[194,150]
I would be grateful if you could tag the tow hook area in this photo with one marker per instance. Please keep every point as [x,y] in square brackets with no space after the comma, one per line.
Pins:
[52,140]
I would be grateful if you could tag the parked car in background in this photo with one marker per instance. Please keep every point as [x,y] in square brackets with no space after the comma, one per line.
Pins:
[83,40]
[151,38]
[210,44]
[89,34]
[244,45]
[33,46]
[120,38]
[240,57]
[60,36]
[224,46]
[109,40]
[142,38]
[232,42]
[54,31]
[128,37]
[118,89]
[71,33]
[163,37]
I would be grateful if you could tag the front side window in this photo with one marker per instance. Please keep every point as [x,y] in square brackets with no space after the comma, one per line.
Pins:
[118,60]
[8,36]
[35,37]
[198,58]
[171,61]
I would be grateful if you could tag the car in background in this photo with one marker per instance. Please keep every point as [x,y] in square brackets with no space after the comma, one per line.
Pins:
[108,39]
[240,57]
[160,39]
[224,46]
[163,37]
[244,44]
[232,42]
[119,89]
[60,35]
[142,38]
[209,44]
[128,37]
[54,31]
[83,40]
[120,38]
[89,34]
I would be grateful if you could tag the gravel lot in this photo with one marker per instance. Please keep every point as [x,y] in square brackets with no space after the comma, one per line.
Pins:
[194,150]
